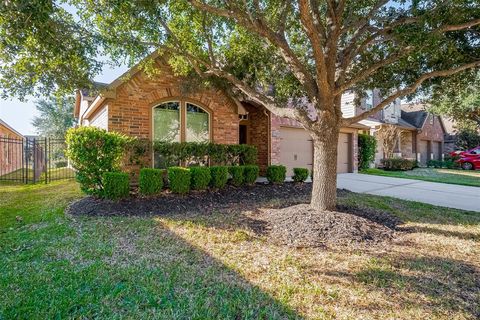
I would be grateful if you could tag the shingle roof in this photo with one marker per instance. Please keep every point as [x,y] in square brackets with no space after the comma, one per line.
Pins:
[415,118]
[96,86]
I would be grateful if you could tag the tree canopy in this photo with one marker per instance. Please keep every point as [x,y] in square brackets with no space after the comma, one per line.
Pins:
[459,99]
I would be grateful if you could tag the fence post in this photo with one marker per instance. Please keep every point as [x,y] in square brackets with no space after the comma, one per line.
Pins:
[45,162]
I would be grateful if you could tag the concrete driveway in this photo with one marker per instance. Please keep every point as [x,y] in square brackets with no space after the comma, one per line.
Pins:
[439,194]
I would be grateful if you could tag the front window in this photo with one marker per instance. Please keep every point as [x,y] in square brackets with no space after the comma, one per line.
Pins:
[179,121]
[166,122]
[369,100]
[197,126]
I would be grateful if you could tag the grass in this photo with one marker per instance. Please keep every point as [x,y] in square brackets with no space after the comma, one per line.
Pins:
[53,174]
[214,267]
[451,176]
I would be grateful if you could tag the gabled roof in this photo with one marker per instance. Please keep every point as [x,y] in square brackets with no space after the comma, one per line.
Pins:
[415,118]
[3,123]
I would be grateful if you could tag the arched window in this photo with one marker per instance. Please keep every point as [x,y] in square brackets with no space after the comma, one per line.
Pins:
[166,122]
[179,121]
[197,128]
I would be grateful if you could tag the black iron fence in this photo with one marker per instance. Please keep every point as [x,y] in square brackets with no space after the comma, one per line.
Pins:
[33,160]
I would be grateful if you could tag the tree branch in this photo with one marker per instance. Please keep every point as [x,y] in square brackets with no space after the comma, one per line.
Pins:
[409,90]
[364,74]
[258,26]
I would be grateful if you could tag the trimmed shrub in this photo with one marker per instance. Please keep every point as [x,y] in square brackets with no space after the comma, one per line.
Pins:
[150,181]
[179,179]
[276,174]
[92,152]
[219,175]
[250,174]
[237,175]
[200,177]
[300,174]
[398,164]
[367,146]
[116,185]
[174,153]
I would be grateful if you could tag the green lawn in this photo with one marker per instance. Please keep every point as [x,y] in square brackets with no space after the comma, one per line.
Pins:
[462,177]
[214,267]
[53,174]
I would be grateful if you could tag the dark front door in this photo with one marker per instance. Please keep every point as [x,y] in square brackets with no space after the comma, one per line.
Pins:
[242,132]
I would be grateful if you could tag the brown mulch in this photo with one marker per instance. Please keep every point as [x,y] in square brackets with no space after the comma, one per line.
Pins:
[287,219]
[302,226]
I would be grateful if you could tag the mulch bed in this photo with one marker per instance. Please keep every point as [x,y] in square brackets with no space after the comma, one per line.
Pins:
[281,209]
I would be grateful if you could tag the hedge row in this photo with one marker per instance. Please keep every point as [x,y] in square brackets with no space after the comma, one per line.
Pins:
[399,164]
[182,180]
[170,154]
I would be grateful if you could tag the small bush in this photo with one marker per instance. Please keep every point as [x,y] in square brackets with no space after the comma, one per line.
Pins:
[237,175]
[434,163]
[276,174]
[150,181]
[92,152]
[300,174]
[219,176]
[179,179]
[200,177]
[398,164]
[116,185]
[367,146]
[250,174]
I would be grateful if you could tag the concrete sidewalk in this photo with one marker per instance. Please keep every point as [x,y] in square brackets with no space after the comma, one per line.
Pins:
[439,194]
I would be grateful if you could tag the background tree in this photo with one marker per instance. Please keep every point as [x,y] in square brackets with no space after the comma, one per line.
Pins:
[295,58]
[458,98]
[389,135]
[55,116]
[467,138]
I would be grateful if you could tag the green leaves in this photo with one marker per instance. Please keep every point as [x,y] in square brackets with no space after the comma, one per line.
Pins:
[43,49]
[93,152]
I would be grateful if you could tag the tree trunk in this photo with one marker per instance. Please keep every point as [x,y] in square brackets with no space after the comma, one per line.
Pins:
[324,189]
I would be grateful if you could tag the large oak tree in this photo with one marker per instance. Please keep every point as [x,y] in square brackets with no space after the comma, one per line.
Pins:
[295,58]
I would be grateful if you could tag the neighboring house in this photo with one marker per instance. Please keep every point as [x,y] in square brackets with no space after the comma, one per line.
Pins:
[160,108]
[11,144]
[422,134]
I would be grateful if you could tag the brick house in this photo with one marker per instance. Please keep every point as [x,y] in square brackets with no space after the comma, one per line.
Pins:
[162,108]
[11,144]
[422,134]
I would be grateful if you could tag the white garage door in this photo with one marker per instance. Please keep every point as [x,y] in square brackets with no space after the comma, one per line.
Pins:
[296,150]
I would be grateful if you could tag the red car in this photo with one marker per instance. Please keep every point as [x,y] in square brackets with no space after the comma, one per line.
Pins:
[474,151]
[470,161]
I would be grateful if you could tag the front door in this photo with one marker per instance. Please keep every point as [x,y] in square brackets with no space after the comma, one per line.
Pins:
[243,134]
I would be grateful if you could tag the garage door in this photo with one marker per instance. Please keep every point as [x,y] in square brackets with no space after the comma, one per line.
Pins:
[343,158]
[423,150]
[296,150]
[436,150]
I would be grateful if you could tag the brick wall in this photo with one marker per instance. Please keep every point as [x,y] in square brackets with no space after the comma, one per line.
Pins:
[258,129]
[10,150]
[131,111]
[432,130]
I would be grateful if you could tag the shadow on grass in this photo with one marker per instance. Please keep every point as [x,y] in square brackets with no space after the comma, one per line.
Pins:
[448,285]
[447,233]
[131,268]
